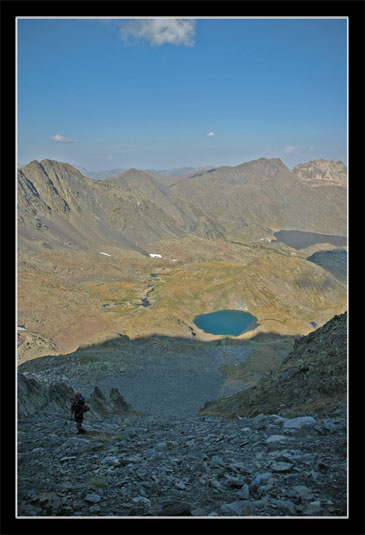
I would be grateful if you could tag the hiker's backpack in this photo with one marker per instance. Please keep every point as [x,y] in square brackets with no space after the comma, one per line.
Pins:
[78,405]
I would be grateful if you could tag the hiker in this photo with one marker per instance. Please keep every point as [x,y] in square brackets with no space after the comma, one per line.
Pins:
[78,407]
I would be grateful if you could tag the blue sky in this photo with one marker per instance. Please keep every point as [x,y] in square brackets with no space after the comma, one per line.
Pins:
[165,93]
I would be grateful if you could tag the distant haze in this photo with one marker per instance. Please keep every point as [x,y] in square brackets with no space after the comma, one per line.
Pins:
[301,168]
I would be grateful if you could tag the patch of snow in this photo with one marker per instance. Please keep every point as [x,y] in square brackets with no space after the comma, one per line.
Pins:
[106,254]
[154,255]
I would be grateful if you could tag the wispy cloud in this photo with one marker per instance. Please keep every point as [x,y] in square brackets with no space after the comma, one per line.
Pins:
[159,31]
[296,150]
[210,134]
[290,149]
[62,139]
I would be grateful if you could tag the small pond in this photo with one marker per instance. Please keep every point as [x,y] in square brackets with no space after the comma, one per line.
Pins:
[226,322]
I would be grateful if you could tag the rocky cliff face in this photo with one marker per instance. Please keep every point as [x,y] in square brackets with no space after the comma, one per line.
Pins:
[313,377]
[323,171]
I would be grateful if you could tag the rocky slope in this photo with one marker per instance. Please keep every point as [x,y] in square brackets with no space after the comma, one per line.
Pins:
[131,466]
[313,377]
[268,456]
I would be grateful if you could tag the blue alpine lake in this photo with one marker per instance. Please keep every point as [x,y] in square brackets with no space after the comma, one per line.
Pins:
[226,322]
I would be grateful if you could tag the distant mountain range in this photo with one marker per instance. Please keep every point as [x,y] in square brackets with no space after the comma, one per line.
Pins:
[58,206]
[171,173]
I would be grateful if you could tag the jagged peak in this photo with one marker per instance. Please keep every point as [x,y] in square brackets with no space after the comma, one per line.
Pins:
[321,161]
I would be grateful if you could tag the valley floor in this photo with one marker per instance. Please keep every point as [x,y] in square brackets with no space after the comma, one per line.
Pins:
[70,298]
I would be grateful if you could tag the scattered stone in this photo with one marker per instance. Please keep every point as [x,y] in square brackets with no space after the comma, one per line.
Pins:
[260,479]
[113,461]
[301,489]
[244,492]
[126,466]
[285,505]
[312,508]
[234,483]
[94,509]
[175,508]
[92,498]
[299,422]
[276,438]
[142,499]
[237,508]
[216,460]
[215,484]
[281,467]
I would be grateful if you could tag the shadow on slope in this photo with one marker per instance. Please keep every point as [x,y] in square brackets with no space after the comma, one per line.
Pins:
[164,375]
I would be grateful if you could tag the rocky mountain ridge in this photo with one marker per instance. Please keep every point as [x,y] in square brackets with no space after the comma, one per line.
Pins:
[265,192]
[59,207]
[313,377]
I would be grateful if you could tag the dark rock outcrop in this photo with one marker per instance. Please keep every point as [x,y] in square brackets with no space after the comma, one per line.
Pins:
[34,396]
[100,405]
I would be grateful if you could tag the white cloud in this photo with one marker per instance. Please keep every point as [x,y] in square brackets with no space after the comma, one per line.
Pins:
[211,134]
[159,31]
[62,139]
[297,150]
[291,150]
